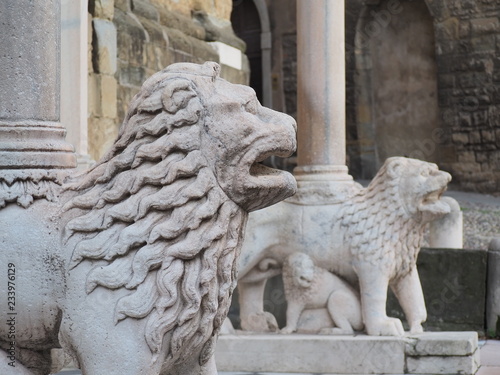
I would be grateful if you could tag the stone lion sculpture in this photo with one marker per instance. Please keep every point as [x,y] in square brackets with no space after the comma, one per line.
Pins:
[371,240]
[310,287]
[134,273]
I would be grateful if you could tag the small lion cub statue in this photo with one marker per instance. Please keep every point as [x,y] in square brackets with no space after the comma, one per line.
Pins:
[310,287]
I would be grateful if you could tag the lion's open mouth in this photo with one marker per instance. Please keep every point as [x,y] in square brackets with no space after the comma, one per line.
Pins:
[264,185]
[257,169]
[433,204]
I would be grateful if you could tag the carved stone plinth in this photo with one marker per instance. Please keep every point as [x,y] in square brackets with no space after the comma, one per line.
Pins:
[427,353]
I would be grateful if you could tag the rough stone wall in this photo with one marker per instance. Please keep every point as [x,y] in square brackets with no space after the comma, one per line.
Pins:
[467,37]
[133,39]
[102,84]
[468,49]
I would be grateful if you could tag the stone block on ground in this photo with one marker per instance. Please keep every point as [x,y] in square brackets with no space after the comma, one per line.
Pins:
[310,354]
[493,289]
[426,353]
[439,344]
[437,365]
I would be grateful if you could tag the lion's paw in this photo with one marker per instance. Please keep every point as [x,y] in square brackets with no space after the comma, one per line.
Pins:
[385,327]
[287,330]
[260,322]
[416,328]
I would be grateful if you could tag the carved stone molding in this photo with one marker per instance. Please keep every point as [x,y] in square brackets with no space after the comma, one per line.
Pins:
[24,186]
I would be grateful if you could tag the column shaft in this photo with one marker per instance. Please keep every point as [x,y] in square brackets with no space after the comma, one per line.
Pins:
[321,85]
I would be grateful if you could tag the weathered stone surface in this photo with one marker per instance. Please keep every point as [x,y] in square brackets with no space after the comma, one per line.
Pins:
[102,132]
[348,355]
[218,30]
[103,9]
[370,237]
[156,32]
[182,177]
[108,96]
[467,365]
[220,9]
[439,344]
[465,36]
[105,46]
[146,10]
[311,354]
[94,97]
[182,23]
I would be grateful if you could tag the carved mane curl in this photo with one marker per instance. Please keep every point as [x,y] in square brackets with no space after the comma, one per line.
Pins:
[153,210]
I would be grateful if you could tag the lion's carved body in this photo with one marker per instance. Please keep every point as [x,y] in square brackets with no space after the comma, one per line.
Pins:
[146,242]
[371,240]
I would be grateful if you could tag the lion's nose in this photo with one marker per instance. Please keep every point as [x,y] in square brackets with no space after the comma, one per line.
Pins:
[446,176]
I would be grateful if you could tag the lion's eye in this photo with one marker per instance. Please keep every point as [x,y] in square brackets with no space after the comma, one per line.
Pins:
[424,173]
[251,106]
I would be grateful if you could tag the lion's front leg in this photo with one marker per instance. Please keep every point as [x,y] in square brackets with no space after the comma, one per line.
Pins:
[408,291]
[252,314]
[293,312]
[373,284]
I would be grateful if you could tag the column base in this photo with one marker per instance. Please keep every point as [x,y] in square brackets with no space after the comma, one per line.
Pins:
[323,184]
[34,144]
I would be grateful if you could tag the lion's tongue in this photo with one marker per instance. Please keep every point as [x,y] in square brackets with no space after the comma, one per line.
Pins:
[438,207]
[258,169]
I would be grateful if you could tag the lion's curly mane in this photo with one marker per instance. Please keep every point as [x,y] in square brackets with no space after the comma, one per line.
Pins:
[153,209]
[379,228]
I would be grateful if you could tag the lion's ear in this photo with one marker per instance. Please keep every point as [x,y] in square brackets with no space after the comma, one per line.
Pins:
[176,94]
[395,166]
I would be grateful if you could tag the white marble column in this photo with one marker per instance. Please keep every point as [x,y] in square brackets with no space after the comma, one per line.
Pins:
[321,93]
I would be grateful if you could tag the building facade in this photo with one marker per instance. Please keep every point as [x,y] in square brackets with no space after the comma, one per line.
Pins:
[423,76]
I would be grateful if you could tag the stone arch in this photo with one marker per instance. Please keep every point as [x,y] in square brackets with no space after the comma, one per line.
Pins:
[265,49]
[396,107]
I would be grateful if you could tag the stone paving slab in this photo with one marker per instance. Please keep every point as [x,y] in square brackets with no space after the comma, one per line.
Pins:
[490,358]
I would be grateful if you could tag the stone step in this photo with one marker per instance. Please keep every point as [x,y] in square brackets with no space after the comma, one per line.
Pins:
[427,353]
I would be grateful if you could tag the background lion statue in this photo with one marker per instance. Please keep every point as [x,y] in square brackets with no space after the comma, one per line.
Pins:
[371,240]
[140,262]
[310,287]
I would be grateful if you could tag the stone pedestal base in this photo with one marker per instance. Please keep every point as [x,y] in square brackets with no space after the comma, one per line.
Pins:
[426,353]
